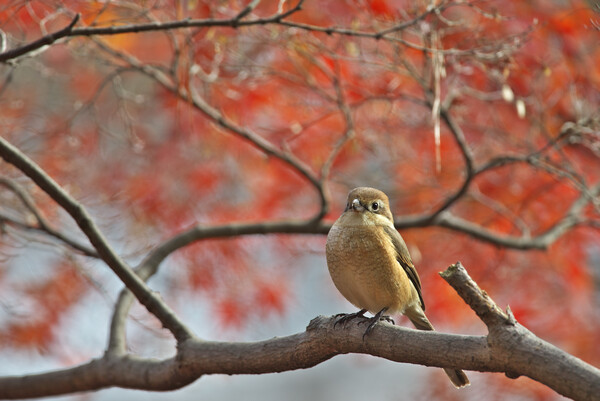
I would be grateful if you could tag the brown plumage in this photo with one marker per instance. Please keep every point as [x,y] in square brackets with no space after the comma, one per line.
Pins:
[370,265]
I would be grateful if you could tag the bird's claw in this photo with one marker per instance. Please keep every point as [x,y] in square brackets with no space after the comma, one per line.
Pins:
[373,321]
[343,318]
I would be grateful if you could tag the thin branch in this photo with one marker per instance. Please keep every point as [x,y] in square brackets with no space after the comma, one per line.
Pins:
[524,242]
[459,137]
[218,118]
[70,31]
[247,10]
[146,296]
[117,338]
[43,224]
[41,42]
[434,103]
[197,233]
[381,34]
[573,217]
[348,134]
[236,22]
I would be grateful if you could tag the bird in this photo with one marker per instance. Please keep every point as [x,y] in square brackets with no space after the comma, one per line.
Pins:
[370,266]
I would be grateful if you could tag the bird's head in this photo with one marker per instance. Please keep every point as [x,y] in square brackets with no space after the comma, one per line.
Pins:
[372,203]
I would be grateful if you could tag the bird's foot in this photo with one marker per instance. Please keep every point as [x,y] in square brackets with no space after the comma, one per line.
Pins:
[388,319]
[343,318]
[373,321]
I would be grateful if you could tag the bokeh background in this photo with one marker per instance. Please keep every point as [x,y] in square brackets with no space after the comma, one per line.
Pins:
[504,93]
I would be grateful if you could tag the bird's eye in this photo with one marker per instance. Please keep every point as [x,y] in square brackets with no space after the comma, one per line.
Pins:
[375,206]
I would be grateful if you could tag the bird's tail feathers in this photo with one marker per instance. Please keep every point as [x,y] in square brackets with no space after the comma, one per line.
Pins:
[457,377]
[417,317]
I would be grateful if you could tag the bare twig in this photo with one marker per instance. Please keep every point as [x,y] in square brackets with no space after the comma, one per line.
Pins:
[247,10]
[42,223]
[238,21]
[215,115]
[347,135]
[70,31]
[459,137]
[41,42]
[381,34]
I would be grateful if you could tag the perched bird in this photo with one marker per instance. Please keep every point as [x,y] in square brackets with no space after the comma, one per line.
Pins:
[369,263]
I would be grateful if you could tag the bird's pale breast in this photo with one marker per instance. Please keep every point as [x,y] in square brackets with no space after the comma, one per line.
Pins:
[363,267]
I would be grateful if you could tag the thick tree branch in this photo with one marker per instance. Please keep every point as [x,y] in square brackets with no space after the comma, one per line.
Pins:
[521,352]
[150,264]
[146,297]
[509,348]
[317,344]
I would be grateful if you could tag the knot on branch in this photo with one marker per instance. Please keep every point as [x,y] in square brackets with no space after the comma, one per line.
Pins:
[317,322]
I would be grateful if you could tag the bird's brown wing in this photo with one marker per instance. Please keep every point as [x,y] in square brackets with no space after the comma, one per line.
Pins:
[403,257]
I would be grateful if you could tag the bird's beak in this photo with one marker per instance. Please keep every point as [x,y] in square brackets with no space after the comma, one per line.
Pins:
[357,206]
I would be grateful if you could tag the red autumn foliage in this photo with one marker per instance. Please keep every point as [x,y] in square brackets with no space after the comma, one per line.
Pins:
[126,145]
[48,301]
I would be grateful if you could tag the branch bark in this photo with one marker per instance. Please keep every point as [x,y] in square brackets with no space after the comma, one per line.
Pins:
[519,351]
[509,348]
